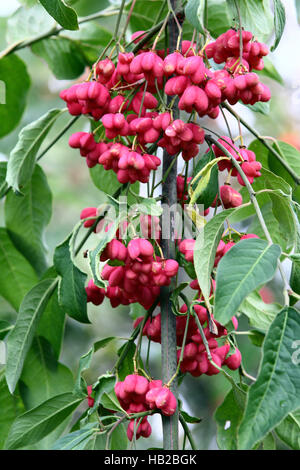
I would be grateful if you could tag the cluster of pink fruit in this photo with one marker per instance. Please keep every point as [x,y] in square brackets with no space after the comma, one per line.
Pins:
[137,277]
[129,165]
[137,394]
[122,96]
[239,80]
[246,157]
[195,359]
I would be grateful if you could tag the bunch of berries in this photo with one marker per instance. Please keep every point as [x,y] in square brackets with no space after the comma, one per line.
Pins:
[137,394]
[137,277]
[246,157]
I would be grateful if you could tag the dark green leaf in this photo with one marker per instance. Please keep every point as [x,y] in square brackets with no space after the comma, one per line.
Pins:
[62,13]
[118,439]
[23,156]
[228,417]
[71,291]
[20,339]
[37,423]
[190,419]
[15,81]
[26,218]
[9,410]
[42,376]
[289,430]
[52,324]
[16,274]
[247,265]
[270,398]
[126,367]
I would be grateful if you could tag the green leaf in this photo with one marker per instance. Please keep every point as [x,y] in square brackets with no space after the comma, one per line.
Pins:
[289,430]
[105,384]
[84,364]
[126,367]
[118,439]
[26,218]
[76,440]
[259,313]
[23,156]
[275,393]
[104,180]
[62,13]
[62,55]
[16,274]
[13,73]
[269,442]
[205,250]
[71,290]
[20,338]
[37,423]
[27,23]
[205,191]
[8,406]
[103,342]
[190,419]
[228,417]
[52,324]
[247,265]
[110,402]
[42,376]
[279,22]
[260,151]
[87,7]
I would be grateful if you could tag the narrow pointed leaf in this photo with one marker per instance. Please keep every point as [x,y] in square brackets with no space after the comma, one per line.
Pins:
[17,276]
[37,423]
[20,339]
[26,218]
[71,292]
[276,392]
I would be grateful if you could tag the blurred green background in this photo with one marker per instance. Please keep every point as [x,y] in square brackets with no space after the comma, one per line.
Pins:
[72,190]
